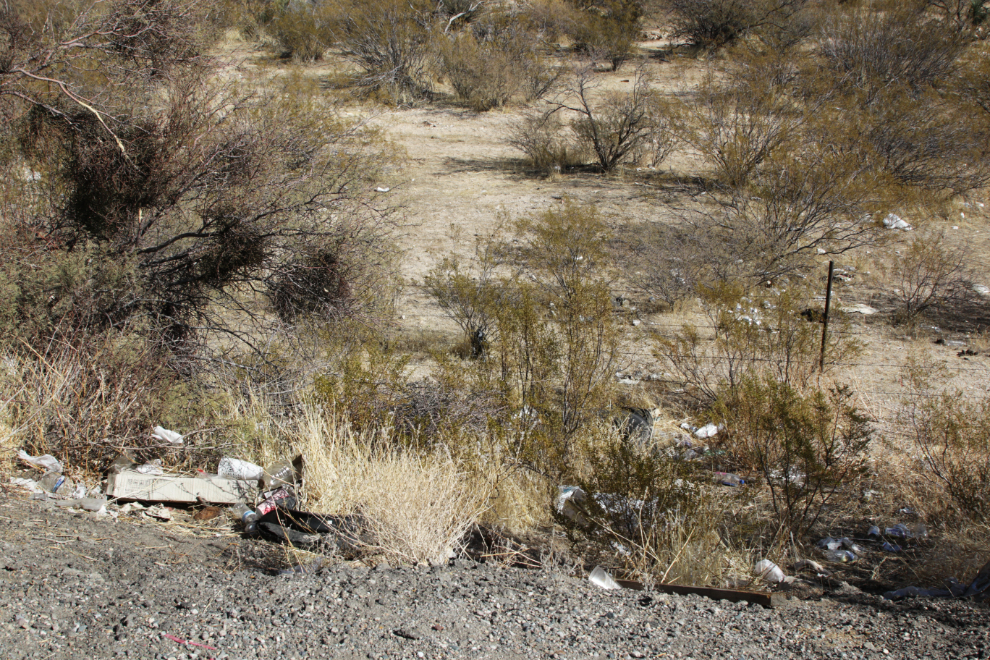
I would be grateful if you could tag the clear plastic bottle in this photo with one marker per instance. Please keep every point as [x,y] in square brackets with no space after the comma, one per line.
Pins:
[840,556]
[57,483]
[248,516]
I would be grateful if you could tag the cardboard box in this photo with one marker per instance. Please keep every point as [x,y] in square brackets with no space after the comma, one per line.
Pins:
[130,485]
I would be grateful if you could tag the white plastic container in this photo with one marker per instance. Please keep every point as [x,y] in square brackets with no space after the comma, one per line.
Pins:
[235,468]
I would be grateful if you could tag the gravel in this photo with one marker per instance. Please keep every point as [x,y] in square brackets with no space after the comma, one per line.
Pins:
[75,586]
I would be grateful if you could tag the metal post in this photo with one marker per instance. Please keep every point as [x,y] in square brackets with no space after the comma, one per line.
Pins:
[828,300]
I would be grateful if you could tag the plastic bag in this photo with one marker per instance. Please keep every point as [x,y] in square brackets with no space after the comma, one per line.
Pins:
[46,462]
[235,468]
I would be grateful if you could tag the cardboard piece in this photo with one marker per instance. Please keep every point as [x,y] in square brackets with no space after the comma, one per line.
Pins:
[131,485]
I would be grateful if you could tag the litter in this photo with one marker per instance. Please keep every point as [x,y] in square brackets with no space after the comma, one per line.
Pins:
[283,473]
[27,484]
[158,512]
[890,547]
[840,556]
[165,435]
[57,484]
[46,462]
[131,485]
[895,222]
[568,498]
[978,589]
[874,531]
[382,189]
[234,468]
[299,528]
[769,571]
[151,467]
[182,641]
[812,566]
[729,479]
[96,504]
[707,431]
[899,531]
[865,310]
[600,578]
[281,497]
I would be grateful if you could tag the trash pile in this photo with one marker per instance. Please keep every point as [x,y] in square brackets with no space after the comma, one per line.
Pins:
[263,499]
[978,589]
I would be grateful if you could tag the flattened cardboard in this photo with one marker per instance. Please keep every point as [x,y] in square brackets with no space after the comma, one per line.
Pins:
[130,485]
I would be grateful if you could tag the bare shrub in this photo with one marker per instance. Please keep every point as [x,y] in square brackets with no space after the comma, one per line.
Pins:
[487,71]
[468,298]
[758,331]
[950,428]
[871,49]
[216,191]
[738,126]
[928,275]
[390,40]
[302,30]
[665,518]
[606,29]
[549,143]
[714,23]
[804,444]
[618,126]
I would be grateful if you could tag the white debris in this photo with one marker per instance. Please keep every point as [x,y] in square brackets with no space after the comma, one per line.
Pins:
[381,189]
[27,484]
[706,431]
[895,222]
[46,462]
[859,309]
[600,578]
[982,290]
[769,571]
[165,435]
[567,499]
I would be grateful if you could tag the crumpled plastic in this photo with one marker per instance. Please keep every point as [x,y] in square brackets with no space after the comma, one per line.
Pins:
[46,462]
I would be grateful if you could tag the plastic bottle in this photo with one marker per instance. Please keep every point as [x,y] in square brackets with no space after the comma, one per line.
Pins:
[899,530]
[840,556]
[279,474]
[248,516]
[234,468]
[57,483]
[281,497]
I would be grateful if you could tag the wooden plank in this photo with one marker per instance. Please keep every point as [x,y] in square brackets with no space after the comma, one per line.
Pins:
[130,485]
[767,600]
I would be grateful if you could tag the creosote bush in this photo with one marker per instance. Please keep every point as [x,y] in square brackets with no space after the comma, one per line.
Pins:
[804,444]
[928,275]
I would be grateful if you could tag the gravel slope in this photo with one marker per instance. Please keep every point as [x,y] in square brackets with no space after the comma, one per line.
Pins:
[73,586]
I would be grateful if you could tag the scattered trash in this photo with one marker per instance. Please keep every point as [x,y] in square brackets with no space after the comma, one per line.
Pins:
[568,498]
[707,431]
[158,512]
[47,462]
[28,484]
[151,467]
[382,189]
[57,484]
[769,571]
[165,435]
[600,578]
[865,310]
[895,222]
[131,506]
[207,513]
[982,290]
[829,544]
[182,641]
[95,504]
[808,564]
[131,485]
[283,473]
[729,479]
[248,517]
[281,497]
[978,589]
[299,528]
[890,547]
[840,556]
[234,468]
[899,531]
[874,531]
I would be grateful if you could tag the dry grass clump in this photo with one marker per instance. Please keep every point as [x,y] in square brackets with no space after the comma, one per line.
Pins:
[418,508]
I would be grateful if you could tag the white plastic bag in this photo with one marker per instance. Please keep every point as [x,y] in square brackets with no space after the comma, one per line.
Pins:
[769,571]
[47,462]
[235,468]
[165,435]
